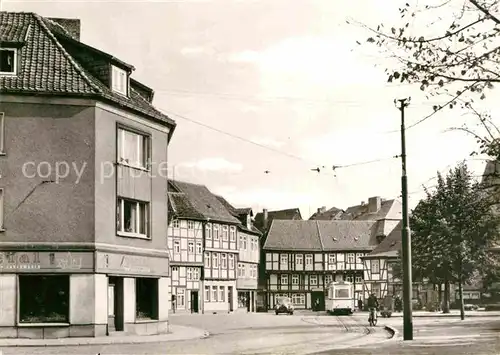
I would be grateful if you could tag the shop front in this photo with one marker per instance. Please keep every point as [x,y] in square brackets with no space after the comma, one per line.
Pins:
[67,294]
[247,295]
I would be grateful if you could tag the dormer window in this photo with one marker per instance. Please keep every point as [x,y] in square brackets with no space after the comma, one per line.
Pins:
[119,81]
[8,61]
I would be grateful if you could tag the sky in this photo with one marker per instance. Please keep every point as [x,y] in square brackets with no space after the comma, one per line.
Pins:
[278,86]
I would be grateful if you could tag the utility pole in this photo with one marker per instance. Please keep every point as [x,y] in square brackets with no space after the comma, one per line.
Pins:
[405,234]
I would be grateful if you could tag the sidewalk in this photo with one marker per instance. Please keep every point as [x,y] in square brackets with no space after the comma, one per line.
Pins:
[417,314]
[176,333]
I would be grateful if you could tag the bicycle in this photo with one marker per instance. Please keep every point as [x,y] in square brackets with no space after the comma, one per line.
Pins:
[372,319]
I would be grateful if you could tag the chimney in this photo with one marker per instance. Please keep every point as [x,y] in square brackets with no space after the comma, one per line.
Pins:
[71,25]
[264,221]
[374,204]
[322,209]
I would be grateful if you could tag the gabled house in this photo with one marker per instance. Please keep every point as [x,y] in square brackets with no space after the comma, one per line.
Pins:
[219,236]
[322,214]
[303,257]
[248,258]
[83,249]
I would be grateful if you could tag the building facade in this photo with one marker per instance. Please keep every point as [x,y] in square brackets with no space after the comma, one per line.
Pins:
[83,251]
[214,288]
[303,257]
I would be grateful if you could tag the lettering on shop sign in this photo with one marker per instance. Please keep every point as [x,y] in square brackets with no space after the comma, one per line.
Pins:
[69,262]
[13,260]
[133,263]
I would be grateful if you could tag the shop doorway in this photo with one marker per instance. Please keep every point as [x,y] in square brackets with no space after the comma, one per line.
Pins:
[230,298]
[115,304]
[318,301]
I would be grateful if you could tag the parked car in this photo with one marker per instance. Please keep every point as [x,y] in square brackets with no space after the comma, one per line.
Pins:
[284,305]
[471,307]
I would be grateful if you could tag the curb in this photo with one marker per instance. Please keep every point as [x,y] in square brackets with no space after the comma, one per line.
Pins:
[163,338]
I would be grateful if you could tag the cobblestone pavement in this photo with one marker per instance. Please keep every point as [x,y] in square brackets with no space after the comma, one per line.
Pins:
[309,334]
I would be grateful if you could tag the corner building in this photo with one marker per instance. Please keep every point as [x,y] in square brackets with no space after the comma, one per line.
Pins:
[82,201]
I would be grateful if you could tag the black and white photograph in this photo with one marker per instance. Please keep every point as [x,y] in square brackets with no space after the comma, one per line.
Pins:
[250,177]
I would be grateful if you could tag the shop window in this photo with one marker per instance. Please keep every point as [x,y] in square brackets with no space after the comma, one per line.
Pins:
[146,298]
[43,299]
[222,297]
[207,293]
[181,298]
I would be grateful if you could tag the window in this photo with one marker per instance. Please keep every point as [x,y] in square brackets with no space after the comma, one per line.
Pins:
[207,259]
[146,298]
[133,149]
[119,80]
[341,293]
[349,278]
[295,279]
[8,61]
[180,297]
[359,279]
[214,293]
[225,231]
[252,244]
[331,258]
[244,243]
[216,232]
[207,293]
[198,248]
[177,246]
[222,297]
[284,279]
[43,299]
[189,274]
[223,261]
[350,258]
[358,259]
[376,290]
[132,217]
[284,259]
[299,259]
[375,266]
[309,259]
[298,299]
[313,279]
[208,231]
[196,274]
[328,279]
[241,270]
[190,224]
[232,234]
[231,261]
[215,261]
[190,247]
[175,223]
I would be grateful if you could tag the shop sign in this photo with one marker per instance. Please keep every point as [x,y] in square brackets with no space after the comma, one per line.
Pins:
[132,264]
[46,261]
[246,284]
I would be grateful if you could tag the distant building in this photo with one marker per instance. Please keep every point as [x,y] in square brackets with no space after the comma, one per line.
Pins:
[83,252]
[323,214]
[303,257]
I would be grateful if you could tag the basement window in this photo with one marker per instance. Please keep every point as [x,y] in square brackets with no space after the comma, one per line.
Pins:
[8,61]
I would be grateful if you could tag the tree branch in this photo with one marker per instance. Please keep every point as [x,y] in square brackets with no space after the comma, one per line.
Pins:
[484,11]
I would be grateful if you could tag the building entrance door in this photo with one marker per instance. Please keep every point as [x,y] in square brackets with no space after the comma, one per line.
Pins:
[115,304]
[318,300]
[230,298]
[194,302]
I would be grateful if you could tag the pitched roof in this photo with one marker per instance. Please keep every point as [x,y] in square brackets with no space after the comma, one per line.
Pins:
[241,214]
[203,201]
[288,214]
[390,245]
[321,235]
[328,215]
[46,65]
[180,207]
[389,209]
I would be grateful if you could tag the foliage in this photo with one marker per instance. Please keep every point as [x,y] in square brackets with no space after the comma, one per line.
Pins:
[452,230]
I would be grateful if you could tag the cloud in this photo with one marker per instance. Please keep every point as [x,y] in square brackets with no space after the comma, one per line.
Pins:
[214,164]
[269,142]
[192,51]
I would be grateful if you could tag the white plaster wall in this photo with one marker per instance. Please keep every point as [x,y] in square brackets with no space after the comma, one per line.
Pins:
[129,299]
[81,299]
[163,298]
[221,306]
[8,305]
[101,299]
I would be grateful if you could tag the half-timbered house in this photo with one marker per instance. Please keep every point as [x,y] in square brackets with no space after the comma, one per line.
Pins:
[248,257]
[219,235]
[303,257]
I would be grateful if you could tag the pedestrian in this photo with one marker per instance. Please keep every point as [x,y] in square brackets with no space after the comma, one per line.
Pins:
[360,304]
[316,305]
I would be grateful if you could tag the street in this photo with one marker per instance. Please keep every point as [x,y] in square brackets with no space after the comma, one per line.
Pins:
[308,334]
